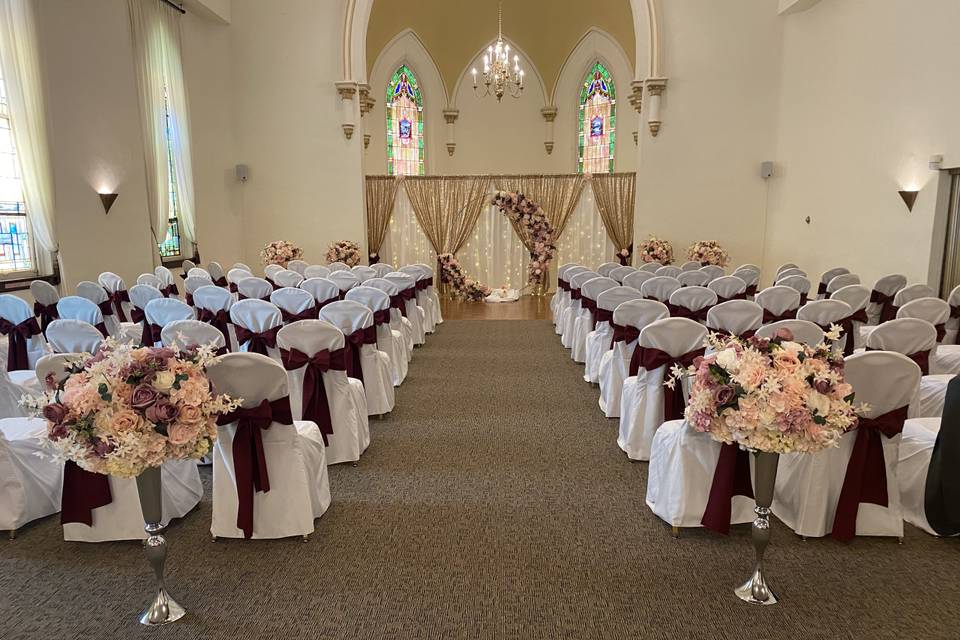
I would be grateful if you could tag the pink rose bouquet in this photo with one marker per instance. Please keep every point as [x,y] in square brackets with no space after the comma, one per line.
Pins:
[126,409]
[656,250]
[345,251]
[280,252]
[538,230]
[463,286]
[708,252]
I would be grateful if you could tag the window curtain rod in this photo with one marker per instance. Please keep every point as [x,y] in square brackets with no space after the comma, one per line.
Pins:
[175,5]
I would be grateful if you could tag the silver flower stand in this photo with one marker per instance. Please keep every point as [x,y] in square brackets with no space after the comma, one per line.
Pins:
[755,590]
[163,609]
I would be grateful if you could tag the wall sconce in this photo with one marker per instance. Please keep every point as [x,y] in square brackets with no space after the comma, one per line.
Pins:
[107,200]
[909,198]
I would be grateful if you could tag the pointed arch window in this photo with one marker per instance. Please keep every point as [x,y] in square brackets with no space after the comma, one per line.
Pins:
[404,124]
[597,122]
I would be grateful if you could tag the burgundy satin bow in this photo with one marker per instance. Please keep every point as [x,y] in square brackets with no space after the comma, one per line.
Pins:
[602,315]
[849,343]
[47,314]
[650,358]
[219,319]
[422,285]
[563,285]
[233,287]
[575,294]
[681,311]
[941,331]
[588,303]
[188,298]
[354,345]
[865,480]
[272,283]
[624,333]
[316,406]
[242,296]
[803,299]
[381,317]
[736,296]
[18,335]
[249,459]
[730,478]
[310,313]
[118,298]
[106,308]
[83,491]
[222,282]
[821,288]
[887,310]
[170,290]
[257,341]
[751,290]
[150,334]
[770,317]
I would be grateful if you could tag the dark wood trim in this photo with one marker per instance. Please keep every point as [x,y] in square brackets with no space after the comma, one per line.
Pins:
[23,283]
[177,263]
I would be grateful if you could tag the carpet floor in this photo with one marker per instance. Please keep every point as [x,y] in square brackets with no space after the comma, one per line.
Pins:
[492,503]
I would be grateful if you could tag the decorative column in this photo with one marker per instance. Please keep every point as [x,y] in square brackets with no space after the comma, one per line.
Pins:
[549,115]
[347,90]
[451,115]
[655,88]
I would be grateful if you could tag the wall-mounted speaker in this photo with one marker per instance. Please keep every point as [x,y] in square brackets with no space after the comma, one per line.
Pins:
[766,169]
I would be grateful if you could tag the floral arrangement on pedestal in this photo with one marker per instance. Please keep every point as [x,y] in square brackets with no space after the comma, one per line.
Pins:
[280,252]
[462,285]
[771,395]
[656,249]
[345,251]
[127,409]
[708,252]
[540,232]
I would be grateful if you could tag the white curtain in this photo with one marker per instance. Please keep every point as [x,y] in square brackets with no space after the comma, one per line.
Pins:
[157,58]
[406,243]
[494,254]
[585,240]
[20,66]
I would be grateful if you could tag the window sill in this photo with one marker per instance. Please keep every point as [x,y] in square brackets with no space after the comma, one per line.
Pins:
[21,282]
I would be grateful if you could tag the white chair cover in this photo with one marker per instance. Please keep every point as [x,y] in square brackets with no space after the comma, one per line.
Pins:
[620,273]
[163,311]
[398,322]
[167,280]
[843,280]
[786,273]
[149,280]
[382,268]
[183,334]
[605,268]
[728,288]
[269,271]
[11,393]
[953,324]
[46,295]
[353,317]
[809,485]
[431,291]
[388,340]
[636,279]
[599,341]
[140,297]
[558,296]
[345,280]
[294,454]
[199,272]
[690,265]
[748,266]
[287,278]
[77,308]
[887,286]
[650,267]
[858,297]
[917,339]
[257,316]
[615,363]
[911,293]
[348,408]
[254,288]
[113,283]
[659,288]
[693,279]
[73,336]
[294,303]
[784,267]
[16,311]
[779,301]
[192,283]
[641,402]
[300,266]
[364,272]
[338,266]
[234,276]
[825,313]
[215,270]
[562,297]
[415,313]
[713,271]
[804,331]
[585,320]
[323,290]
[316,271]
[736,317]
[751,277]
[424,300]
[829,275]
[799,284]
[669,271]
[691,301]
[186,265]
[241,265]
[214,299]
[96,294]
[31,484]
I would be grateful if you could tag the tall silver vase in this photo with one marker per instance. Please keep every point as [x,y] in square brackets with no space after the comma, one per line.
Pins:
[755,590]
[163,608]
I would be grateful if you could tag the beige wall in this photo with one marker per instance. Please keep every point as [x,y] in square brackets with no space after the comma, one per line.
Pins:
[869,93]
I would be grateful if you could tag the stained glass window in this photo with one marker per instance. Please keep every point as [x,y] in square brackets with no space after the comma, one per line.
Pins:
[16,253]
[597,123]
[404,124]
[170,246]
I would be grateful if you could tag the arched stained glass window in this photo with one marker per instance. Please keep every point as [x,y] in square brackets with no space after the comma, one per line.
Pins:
[598,120]
[404,124]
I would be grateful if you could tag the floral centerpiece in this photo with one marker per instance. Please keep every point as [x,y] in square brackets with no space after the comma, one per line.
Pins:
[128,409]
[463,286]
[708,252]
[656,250]
[280,252]
[540,232]
[345,251]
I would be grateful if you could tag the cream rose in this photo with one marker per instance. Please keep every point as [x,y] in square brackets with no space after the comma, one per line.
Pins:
[163,381]
[728,359]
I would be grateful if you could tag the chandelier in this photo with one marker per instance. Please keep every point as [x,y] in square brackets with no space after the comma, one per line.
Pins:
[498,77]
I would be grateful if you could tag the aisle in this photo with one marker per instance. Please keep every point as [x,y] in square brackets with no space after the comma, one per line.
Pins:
[493,503]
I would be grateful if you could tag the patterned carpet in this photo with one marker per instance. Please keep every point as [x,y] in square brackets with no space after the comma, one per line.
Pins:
[493,503]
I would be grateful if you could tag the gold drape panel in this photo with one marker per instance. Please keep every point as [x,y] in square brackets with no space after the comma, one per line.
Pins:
[615,195]
[381,194]
[447,207]
[557,195]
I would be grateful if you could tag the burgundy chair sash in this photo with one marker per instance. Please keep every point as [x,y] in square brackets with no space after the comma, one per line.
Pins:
[941,331]
[102,328]
[922,358]
[865,480]
[170,290]
[188,298]
[118,298]
[316,406]
[397,302]
[575,294]
[751,290]
[821,288]
[955,313]
[272,283]
[217,319]
[151,332]
[681,311]
[803,299]
[624,333]
[309,313]
[410,293]
[737,296]
[240,296]
[422,285]
[249,459]
[381,317]
[730,478]
[849,327]
[588,303]
[769,316]
[106,308]
[258,342]
[602,315]
[18,335]
[563,285]
[222,282]
[233,287]
[321,305]
[650,359]
[47,314]
[83,491]
[353,345]
[887,310]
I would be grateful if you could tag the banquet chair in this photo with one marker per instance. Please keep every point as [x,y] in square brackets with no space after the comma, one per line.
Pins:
[140,297]
[690,265]
[117,291]
[186,266]
[669,271]
[168,284]
[728,288]
[841,281]
[11,393]
[784,267]
[364,361]
[827,276]
[31,482]
[388,340]
[645,401]
[786,273]
[586,318]
[636,279]
[316,271]
[813,496]
[824,314]
[269,273]
[184,334]
[364,272]
[213,305]
[691,302]
[191,284]
[562,292]
[881,306]
[912,292]
[294,487]
[431,291]
[659,288]
[323,290]
[629,319]
[804,331]
[916,339]
[234,276]
[77,308]
[620,273]
[338,266]
[149,280]
[287,278]
[747,266]
[565,300]
[424,301]
[73,336]
[858,297]
[162,312]
[739,318]
[714,271]
[650,267]
[256,323]
[946,357]
[382,268]
[926,470]
[953,324]
[599,341]
[408,287]
[800,284]
[693,279]
[778,303]
[25,341]
[108,308]
[294,304]
[300,266]
[217,274]
[242,265]
[45,297]
[253,288]
[398,310]
[345,427]
[346,280]
[605,268]
[751,278]
[199,272]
